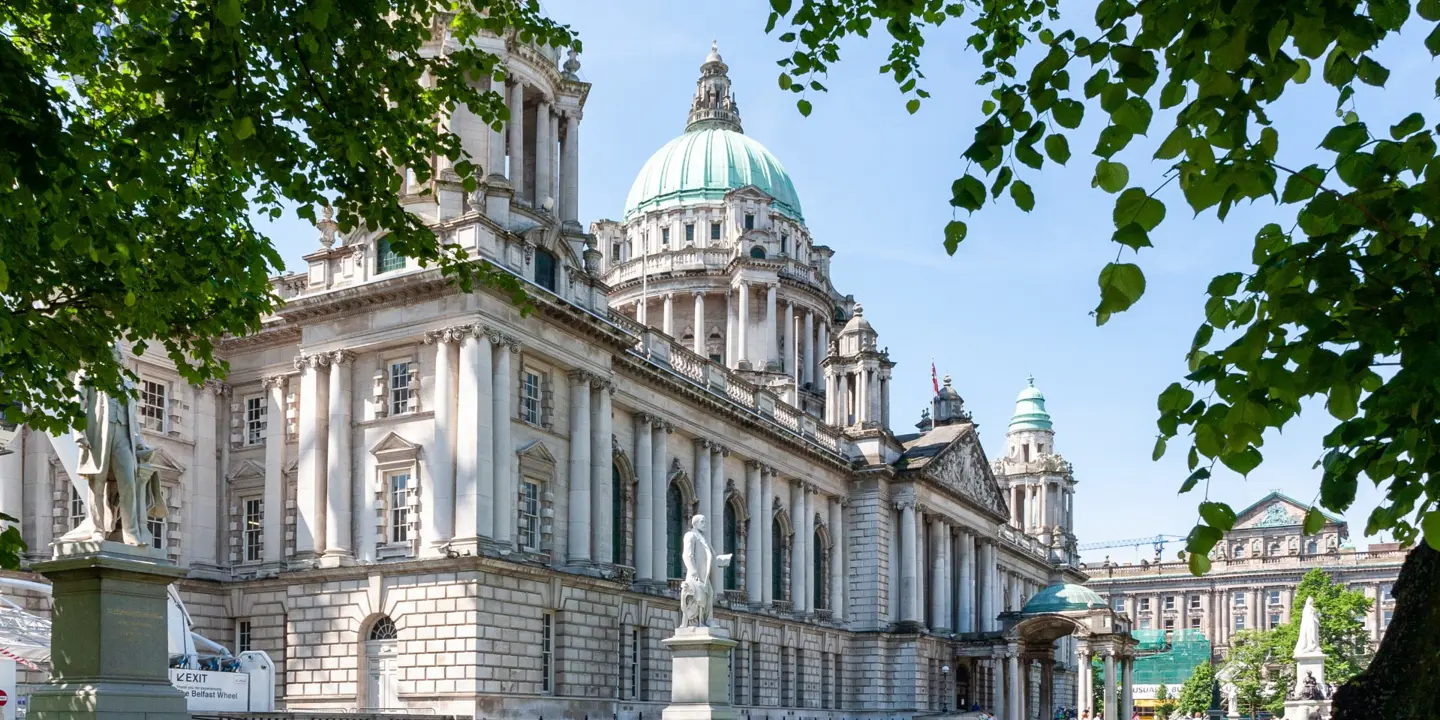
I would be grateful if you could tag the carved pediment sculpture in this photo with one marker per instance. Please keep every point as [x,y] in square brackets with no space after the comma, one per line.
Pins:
[962,469]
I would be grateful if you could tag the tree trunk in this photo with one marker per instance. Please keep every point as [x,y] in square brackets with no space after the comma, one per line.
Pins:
[1403,681]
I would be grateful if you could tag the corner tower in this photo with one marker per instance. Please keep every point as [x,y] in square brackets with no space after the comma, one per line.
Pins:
[1039,484]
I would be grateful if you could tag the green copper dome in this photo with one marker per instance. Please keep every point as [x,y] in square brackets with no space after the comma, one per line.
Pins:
[1063,598]
[1030,413]
[703,165]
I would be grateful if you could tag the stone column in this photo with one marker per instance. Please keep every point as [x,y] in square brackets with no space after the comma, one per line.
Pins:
[742,336]
[438,495]
[542,153]
[12,480]
[988,607]
[1047,687]
[837,558]
[602,474]
[757,524]
[580,498]
[842,399]
[1016,702]
[966,599]
[997,684]
[862,395]
[909,564]
[570,170]
[502,384]
[772,356]
[807,345]
[202,500]
[1017,593]
[552,168]
[731,360]
[822,345]
[717,505]
[791,356]
[1111,710]
[1127,693]
[700,477]
[467,432]
[668,319]
[517,141]
[338,549]
[699,344]
[497,137]
[644,500]
[310,478]
[767,537]
[482,515]
[797,546]
[807,493]
[660,476]
[1084,682]
[273,533]
[937,576]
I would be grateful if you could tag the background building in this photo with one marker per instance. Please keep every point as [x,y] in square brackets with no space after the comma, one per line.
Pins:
[412,497]
[1252,577]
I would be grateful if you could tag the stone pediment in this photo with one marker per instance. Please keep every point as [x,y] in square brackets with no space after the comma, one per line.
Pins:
[1277,510]
[247,470]
[393,448]
[951,457]
[168,468]
[536,450]
[750,192]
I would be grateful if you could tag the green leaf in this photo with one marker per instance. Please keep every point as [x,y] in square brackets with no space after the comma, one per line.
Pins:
[1174,143]
[1199,564]
[228,12]
[987,107]
[785,81]
[1371,72]
[1132,236]
[1175,398]
[1218,515]
[804,106]
[1269,142]
[244,128]
[1430,525]
[1303,185]
[1432,41]
[781,7]
[1413,123]
[1345,138]
[1302,71]
[1314,521]
[1134,115]
[1225,285]
[1429,9]
[1202,539]
[1058,148]
[1244,461]
[1022,195]
[967,192]
[1343,401]
[955,232]
[913,106]
[1121,284]
[1135,205]
[1068,113]
[1111,176]
[1159,450]
[1194,479]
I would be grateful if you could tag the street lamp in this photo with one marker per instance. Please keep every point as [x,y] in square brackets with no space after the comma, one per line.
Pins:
[944,688]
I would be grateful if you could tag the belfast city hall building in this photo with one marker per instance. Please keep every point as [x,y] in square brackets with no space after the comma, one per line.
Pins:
[414,497]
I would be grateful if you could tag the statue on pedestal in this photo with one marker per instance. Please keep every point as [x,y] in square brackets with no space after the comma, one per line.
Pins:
[697,595]
[1310,690]
[1309,639]
[122,489]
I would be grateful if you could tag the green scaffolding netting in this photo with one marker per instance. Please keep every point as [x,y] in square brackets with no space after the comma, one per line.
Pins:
[1168,656]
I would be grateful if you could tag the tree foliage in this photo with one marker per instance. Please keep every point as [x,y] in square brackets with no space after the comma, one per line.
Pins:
[1343,636]
[1348,288]
[1248,669]
[1198,691]
[1164,704]
[137,139]
[11,544]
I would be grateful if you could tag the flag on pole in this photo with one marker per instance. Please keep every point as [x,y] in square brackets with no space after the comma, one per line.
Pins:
[935,381]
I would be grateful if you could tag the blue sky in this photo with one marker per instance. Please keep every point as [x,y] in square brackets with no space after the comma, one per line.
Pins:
[1015,300]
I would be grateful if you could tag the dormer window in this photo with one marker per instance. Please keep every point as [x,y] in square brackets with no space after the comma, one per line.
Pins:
[749,221]
[757,252]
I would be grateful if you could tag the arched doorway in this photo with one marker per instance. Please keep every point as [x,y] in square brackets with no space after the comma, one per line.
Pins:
[381,660]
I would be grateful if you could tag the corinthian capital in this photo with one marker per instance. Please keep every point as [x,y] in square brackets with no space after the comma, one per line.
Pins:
[342,357]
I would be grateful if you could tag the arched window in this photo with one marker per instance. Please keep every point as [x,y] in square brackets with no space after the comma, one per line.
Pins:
[1312,547]
[545,269]
[730,546]
[617,516]
[675,523]
[384,629]
[381,665]
[386,259]
[822,581]
[757,252]
[778,588]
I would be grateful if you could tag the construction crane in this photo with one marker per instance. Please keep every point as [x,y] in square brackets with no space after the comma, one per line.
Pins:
[1158,542]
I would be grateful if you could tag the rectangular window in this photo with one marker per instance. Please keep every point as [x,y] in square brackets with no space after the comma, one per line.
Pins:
[785,678]
[749,221]
[398,484]
[825,681]
[1194,623]
[839,682]
[1169,624]
[242,637]
[734,680]
[1385,619]
[1194,602]
[156,526]
[1145,604]
[530,398]
[1239,598]
[1169,602]
[799,678]
[547,653]
[1239,622]
[615,252]
[714,231]
[1117,604]
[784,243]
[632,664]
[1274,597]
[386,259]
[530,516]
[402,387]
[254,531]
[152,405]
[1274,620]
[1388,593]
[689,233]
[751,675]
[665,236]
[1145,623]
[76,509]
[255,419]
[1239,551]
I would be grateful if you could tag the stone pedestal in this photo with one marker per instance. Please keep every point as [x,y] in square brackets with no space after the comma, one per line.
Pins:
[1314,664]
[109,636]
[700,675]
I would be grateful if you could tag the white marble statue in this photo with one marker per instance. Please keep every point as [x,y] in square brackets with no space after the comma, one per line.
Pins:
[1309,640]
[121,486]
[697,595]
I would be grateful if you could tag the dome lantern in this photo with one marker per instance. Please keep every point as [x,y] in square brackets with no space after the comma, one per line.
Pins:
[1030,412]
[713,105]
